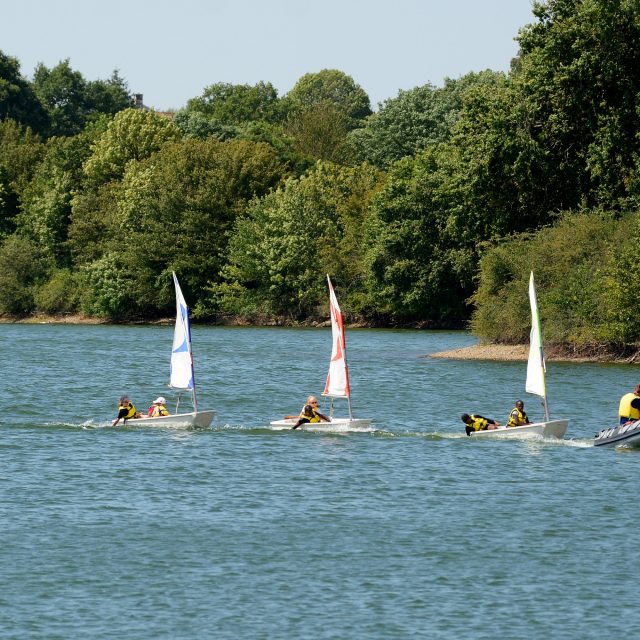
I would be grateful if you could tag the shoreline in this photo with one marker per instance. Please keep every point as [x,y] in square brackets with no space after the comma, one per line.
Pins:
[480,351]
[520,352]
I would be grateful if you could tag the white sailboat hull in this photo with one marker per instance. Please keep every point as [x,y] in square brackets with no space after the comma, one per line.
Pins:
[196,419]
[551,429]
[337,425]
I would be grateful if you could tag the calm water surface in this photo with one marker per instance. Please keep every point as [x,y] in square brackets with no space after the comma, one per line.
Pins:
[412,530]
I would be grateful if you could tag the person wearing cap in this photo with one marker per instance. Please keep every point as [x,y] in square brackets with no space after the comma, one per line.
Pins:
[158,408]
[126,410]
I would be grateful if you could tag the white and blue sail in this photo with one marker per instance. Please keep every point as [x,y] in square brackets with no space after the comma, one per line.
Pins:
[536,367]
[182,374]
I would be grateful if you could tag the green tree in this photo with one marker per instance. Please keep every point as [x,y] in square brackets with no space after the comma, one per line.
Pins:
[237,104]
[176,208]
[110,285]
[320,133]
[578,75]
[23,268]
[332,87]
[46,200]
[417,272]
[415,119]
[94,228]
[107,97]
[18,101]
[133,134]
[62,293]
[281,250]
[197,125]
[274,255]
[63,93]
[20,153]
[580,267]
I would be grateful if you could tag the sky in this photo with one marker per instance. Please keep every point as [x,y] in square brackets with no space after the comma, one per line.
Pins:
[171,51]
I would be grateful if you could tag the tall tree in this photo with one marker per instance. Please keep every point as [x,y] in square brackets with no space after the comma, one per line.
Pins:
[20,152]
[280,251]
[46,201]
[175,209]
[333,87]
[63,93]
[415,119]
[237,104]
[579,78]
[107,97]
[18,101]
[133,134]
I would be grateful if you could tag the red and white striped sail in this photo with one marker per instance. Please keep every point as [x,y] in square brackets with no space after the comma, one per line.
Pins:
[338,378]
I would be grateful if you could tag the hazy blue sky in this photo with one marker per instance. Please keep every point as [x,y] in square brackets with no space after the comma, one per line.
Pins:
[170,51]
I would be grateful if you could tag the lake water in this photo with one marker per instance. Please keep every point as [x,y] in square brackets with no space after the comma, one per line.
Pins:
[411,530]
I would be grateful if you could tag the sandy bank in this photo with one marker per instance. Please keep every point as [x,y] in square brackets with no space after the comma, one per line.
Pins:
[507,352]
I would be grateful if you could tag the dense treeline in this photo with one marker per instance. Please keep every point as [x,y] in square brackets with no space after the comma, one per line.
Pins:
[444,198]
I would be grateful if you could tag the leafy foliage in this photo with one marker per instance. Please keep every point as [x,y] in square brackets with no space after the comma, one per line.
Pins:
[280,252]
[18,100]
[229,104]
[22,268]
[175,209]
[415,119]
[133,134]
[46,200]
[573,264]
[331,87]
[578,78]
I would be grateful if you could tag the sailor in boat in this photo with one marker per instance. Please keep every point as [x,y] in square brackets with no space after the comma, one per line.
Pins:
[518,417]
[476,422]
[126,410]
[158,408]
[629,409]
[310,413]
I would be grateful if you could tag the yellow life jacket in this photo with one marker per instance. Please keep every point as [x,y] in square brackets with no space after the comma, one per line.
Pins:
[519,420]
[314,418]
[159,410]
[625,410]
[479,424]
[131,410]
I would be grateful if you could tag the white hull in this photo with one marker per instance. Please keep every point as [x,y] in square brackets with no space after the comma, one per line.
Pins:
[551,429]
[337,425]
[200,419]
[624,435]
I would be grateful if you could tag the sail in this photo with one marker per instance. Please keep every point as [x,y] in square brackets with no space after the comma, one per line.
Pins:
[181,360]
[535,366]
[338,377]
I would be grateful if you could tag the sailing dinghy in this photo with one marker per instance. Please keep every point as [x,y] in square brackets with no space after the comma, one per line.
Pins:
[181,376]
[337,384]
[535,384]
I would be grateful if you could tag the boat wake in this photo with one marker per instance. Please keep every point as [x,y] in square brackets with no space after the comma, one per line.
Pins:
[339,429]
